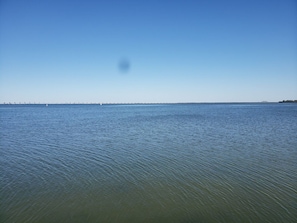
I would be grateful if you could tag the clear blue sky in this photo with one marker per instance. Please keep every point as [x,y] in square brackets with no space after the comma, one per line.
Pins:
[56,51]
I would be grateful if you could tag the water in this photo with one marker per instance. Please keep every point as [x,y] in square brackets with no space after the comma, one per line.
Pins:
[149,163]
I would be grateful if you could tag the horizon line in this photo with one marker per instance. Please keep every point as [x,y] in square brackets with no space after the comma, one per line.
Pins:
[136,103]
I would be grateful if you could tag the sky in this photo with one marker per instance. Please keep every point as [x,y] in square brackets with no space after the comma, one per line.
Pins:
[82,51]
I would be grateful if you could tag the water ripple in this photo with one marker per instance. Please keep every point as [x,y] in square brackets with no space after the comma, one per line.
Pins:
[175,163]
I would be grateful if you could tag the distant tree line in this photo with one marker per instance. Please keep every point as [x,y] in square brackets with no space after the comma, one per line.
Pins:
[288,101]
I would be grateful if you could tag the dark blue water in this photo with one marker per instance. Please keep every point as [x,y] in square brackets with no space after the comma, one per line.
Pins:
[149,163]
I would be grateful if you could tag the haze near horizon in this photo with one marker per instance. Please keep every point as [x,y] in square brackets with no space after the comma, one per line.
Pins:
[147,51]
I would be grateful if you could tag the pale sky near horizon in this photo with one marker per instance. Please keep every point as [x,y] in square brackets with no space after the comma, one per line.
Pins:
[58,51]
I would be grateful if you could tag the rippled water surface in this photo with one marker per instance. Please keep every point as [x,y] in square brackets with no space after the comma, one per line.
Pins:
[149,163]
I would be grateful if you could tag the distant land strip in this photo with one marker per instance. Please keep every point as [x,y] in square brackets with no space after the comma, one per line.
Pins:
[288,101]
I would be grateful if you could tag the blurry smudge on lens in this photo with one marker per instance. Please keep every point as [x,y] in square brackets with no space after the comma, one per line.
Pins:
[124,65]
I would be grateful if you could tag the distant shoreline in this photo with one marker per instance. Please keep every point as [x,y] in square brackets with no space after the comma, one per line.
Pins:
[288,101]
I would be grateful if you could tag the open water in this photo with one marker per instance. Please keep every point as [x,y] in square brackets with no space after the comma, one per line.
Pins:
[148,163]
